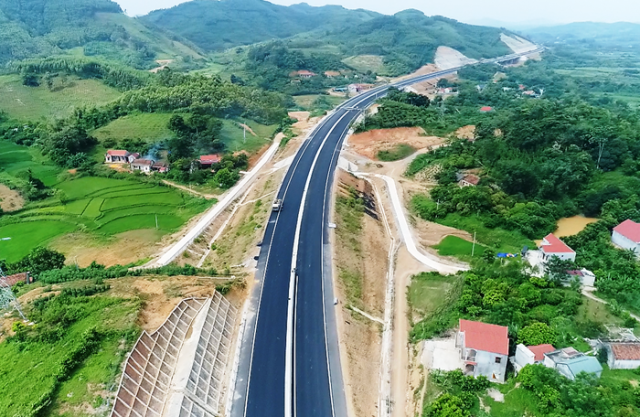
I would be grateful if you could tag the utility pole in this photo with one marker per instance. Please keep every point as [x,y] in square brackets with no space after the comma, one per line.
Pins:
[156,221]
[473,248]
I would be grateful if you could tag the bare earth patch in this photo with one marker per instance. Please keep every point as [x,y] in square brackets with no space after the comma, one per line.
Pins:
[466,132]
[10,200]
[121,249]
[368,144]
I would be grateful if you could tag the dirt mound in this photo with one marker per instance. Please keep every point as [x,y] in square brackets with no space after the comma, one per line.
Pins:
[301,116]
[368,144]
[466,132]
[10,200]
[447,58]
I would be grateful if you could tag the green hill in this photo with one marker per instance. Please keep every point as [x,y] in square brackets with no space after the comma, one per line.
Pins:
[621,34]
[38,28]
[218,25]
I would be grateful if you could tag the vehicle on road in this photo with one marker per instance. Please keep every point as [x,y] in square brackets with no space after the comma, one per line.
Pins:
[277,205]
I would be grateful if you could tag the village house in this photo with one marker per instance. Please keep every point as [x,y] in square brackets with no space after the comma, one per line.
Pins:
[551,246]
[206,161]
[468,180]
[486,109]
[359,88]
[623,355]
[160,167]
[143,165]
[530,355]
[303,74]
[117,156]
[332,74]
[484,349]
[627,236]
[569,363]
[586,277]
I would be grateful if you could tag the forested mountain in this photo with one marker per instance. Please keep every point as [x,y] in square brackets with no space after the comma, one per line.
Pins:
[621,34]
[217,25]
[33,28]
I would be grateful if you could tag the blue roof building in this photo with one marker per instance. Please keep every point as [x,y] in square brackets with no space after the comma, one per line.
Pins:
[569,363]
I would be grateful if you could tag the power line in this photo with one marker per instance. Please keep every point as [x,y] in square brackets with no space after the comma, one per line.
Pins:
[7,299]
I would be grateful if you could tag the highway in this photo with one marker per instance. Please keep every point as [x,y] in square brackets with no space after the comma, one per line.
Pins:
[289,363]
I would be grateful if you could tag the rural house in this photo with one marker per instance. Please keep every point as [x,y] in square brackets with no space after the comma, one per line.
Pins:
[623,355]
[552,246]
[586,277]
[486,109]
[484,349]
[303,74]
[530,355]
[132,157]
[468,180]
[160,167]
[627,236]
[569,363]
[207,160]
[117,157]
[143,165]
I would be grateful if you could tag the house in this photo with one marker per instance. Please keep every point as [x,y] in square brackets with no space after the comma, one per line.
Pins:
[552,246]
[358,88]
[468,180]
[332,74]
[486,109]
[569,363]
[143,165]
[303,74]
[530,355]
[627,236]
[623,355]
[25,277]
[208,160]
[132,157]
[160,167]
[484,349]
[586,277]
[116,156]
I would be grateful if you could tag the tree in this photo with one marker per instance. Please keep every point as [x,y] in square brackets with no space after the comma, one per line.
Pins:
[39,260]
[226,178]
[557,269]
[537,334]
[447,405]
[30,80]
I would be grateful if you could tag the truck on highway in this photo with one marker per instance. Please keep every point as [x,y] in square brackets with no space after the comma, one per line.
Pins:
[277,205]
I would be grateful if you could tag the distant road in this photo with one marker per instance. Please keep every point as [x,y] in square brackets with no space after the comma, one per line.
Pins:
[289,358]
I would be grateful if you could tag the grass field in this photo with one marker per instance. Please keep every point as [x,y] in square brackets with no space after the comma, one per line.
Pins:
[306,102]
[39,103]
[498,239]
[364,63]
[15,158]
[232,135]
[102,206]
[455,246]
[398,152]
[427,292]
[150,127]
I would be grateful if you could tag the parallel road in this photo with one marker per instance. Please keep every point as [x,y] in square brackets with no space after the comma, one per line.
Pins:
[289,359]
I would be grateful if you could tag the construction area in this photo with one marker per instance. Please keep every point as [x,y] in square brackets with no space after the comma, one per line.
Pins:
[181,368]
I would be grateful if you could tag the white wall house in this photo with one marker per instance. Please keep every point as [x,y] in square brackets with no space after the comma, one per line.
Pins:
[569,363]
[627,236]
[551,246]
[530,355]
[114,156]
[143,165]
[484,349]
[623,355]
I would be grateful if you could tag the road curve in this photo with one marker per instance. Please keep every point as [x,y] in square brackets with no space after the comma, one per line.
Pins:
[309,374]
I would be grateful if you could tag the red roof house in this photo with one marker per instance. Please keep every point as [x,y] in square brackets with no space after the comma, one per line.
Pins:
[116,156]
[540,350]
[552,246]
[486,109]
[484,349]
[627,235]
[303,74]
[208,160]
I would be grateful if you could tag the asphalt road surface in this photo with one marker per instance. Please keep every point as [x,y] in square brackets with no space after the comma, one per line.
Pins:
[317,380]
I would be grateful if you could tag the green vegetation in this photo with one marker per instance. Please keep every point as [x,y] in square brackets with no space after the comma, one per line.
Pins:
[149,127]
[83,27]
[41,103]
[398,152]
[455,246]
[104,206]
[76,347]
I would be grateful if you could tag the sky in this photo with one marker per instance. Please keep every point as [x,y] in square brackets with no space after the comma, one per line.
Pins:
[471,11]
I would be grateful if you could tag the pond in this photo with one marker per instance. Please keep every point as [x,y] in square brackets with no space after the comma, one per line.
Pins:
[570,226]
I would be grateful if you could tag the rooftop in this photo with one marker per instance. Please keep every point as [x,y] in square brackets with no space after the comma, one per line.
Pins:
[114,152]
[629,229]
[486,109]
[551,244]
[576,361]
[626,351]
[540,350]
[486,337]
[143,162]
[471,179]
[212,159]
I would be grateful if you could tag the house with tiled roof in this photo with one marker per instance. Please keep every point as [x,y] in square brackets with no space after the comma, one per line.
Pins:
[530,355]
[551,246]
[116,156]
[484,349]
[569,363]
[627,236]
[143,165]
[624,355]
[208,160]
